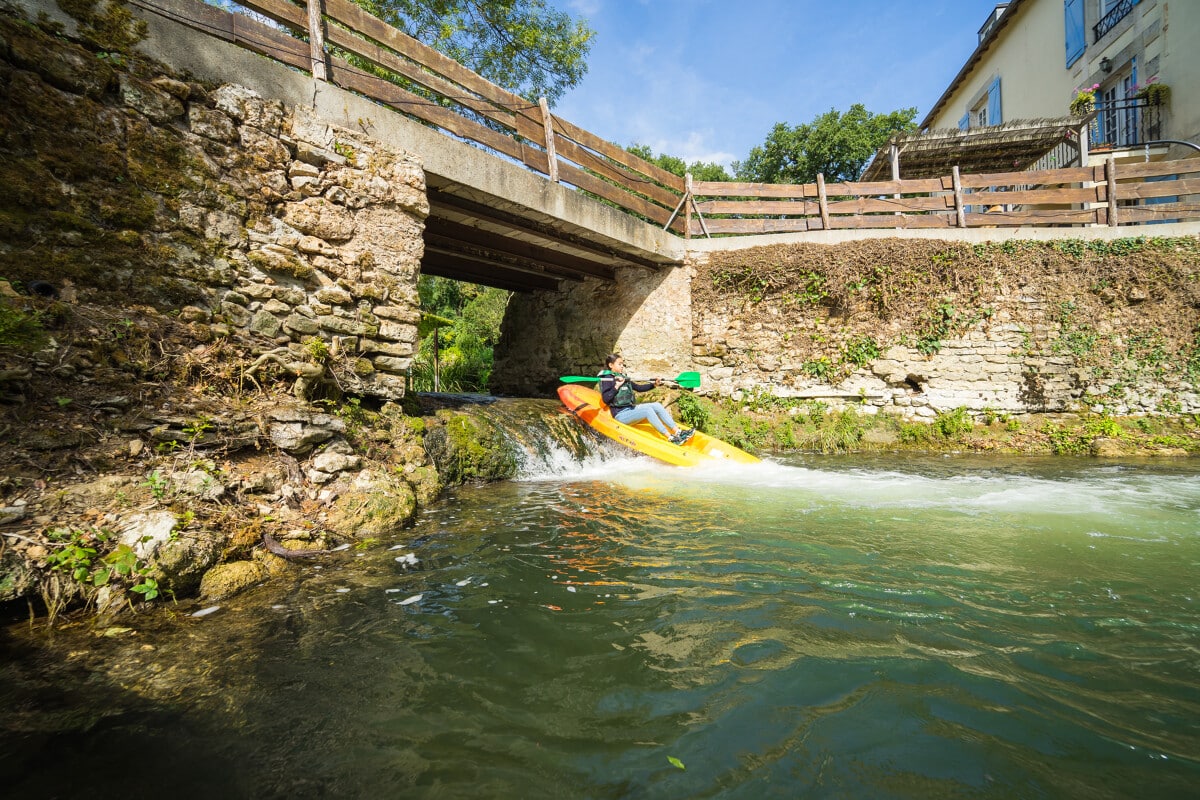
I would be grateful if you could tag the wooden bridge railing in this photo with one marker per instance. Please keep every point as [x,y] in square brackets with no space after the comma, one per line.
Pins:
[337,41]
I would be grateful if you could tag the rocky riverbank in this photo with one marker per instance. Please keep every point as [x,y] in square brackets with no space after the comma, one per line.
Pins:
[139,463]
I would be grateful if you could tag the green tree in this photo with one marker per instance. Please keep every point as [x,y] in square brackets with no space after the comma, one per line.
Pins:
[835,145]
[701,171]
[521,45]
[460,329]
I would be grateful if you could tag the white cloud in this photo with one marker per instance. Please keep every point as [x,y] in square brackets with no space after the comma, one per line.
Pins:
[585,8]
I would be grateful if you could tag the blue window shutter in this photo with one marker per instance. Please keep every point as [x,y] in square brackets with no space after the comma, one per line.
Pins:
[1076,33]
[965,122]
[994,116]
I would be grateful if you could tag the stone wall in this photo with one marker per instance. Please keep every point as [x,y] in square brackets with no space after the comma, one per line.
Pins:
[645,315]
[1021,327]
[127,181]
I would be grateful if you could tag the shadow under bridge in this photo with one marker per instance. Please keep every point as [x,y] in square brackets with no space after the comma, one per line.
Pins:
[475,236]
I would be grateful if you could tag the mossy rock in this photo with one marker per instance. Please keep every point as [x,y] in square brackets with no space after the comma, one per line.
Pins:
[226,580]
[426,484]
[466,448]
[378,503]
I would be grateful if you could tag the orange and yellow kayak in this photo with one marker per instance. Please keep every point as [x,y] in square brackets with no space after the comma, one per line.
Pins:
[586,404]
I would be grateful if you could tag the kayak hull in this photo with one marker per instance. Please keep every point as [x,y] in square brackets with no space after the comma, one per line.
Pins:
[586,404]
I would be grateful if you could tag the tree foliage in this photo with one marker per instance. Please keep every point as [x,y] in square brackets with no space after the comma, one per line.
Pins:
[701,171]
[835,145]
[521,45]
[465,322]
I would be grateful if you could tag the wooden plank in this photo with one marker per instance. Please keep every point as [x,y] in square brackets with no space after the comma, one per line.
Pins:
[759,207]
[1061,217]
[1154,169]
[822,202]
[873,205]
[358,20]
[736,189]
[392,95]
[276,45]
[1160,211]
[618,154]
[614,194]
[873,188]
[628,180]
[282,11]
[1042,177]
[390,61]
[956,178]
[758,226]
[1135,191]
[1094,194]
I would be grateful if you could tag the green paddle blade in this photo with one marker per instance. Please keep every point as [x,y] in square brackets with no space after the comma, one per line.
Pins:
[685,380]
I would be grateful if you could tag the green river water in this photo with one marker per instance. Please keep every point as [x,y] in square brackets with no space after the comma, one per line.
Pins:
[874,627]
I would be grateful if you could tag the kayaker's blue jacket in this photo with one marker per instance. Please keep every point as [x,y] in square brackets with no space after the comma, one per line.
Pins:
[618,399]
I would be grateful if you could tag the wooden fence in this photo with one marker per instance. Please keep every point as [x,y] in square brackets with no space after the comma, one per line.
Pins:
[1102,195]
[337,41]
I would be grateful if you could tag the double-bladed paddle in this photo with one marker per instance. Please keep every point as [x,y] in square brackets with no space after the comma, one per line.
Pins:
[684,380]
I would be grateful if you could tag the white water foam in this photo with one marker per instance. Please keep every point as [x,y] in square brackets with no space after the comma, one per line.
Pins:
[1117,498]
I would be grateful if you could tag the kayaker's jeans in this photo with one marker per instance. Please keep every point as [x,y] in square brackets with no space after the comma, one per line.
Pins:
[655,413]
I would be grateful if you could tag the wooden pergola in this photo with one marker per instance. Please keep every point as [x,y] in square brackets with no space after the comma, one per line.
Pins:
[1011,147]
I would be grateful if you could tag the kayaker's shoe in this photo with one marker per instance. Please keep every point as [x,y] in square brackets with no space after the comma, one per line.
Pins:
[682,435]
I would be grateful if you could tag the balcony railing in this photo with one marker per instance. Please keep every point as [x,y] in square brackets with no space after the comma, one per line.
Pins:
[1125,123]
[1110,20]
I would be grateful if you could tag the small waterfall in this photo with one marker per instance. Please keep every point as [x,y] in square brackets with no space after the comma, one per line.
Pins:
[545,440]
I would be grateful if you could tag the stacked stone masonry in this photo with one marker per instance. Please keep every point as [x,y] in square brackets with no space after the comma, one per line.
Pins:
[339,254]
[263,218]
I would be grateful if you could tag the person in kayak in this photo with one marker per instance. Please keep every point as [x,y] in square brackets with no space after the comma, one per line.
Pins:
[617,390]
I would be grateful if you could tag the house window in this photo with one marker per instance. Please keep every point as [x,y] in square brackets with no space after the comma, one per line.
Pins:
[1118,106]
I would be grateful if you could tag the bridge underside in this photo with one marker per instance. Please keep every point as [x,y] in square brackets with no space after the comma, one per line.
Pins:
[479,238]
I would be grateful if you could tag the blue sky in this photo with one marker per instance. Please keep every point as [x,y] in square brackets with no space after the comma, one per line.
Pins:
[707,79]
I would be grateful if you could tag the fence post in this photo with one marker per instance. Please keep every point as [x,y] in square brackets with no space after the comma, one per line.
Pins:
[1110,175]
[316,40]
[687,210]
[548,124]
[894,157]
[960,215]
[822,202]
